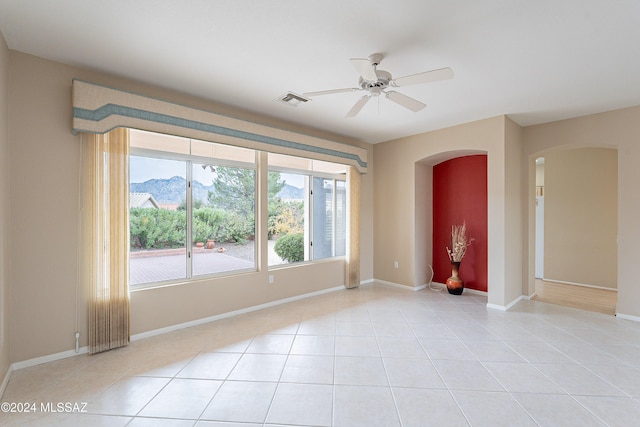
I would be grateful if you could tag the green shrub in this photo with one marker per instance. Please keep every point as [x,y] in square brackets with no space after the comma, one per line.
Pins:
[161,228]
[290,247]
[157,228]
[239,227]
[208,223]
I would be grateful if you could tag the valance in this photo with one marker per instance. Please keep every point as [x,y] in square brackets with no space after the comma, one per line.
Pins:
[100,109]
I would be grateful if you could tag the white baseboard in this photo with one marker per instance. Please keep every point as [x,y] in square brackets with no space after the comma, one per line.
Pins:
[628,317]
[439,285]
[506,307]
[5,381]
[398,285]
[466,290]
[426,285]
[584,285]
[475,292]
[83,350]
[49,358]
[530,297]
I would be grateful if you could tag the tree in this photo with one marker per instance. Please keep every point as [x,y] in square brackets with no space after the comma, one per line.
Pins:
[234,192]
[275,184]
[197,204]
[235,189]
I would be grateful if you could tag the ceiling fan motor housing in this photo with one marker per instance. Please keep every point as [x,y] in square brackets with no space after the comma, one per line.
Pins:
[384,78]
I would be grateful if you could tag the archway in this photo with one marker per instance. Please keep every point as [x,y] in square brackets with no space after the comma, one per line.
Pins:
[451,188]
[579,189]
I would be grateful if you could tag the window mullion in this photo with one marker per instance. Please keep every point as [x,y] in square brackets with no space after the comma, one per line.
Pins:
[334,217]
[189,215]
[308,220]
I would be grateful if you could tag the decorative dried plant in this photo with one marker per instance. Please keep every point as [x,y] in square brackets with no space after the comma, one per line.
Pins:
[459,242]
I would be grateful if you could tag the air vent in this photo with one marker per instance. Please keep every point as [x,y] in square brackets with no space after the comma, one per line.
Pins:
[292,99]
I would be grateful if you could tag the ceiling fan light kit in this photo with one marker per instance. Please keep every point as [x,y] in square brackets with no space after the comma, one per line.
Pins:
[376,82]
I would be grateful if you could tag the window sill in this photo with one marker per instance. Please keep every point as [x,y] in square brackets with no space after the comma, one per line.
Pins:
[194,280]
[304,263]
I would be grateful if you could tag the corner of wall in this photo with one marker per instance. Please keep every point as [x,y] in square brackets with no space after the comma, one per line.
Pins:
[5,368]
[367,196]
[515,187]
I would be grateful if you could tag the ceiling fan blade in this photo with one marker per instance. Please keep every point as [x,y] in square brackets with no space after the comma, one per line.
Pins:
[329,92]
[357,107]
[426,77]
[404,100]
[365,69]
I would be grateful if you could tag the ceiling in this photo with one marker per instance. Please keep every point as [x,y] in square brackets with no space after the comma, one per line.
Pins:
[537,61]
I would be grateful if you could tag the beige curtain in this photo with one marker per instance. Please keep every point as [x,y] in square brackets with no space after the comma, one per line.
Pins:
[105,237]
[352,276]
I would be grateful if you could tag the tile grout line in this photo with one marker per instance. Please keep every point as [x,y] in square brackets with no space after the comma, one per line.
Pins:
[275,392]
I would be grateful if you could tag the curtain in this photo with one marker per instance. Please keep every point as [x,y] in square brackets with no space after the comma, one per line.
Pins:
[105,237]
[352,271]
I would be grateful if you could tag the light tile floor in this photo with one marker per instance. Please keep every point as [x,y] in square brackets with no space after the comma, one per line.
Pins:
[373,356]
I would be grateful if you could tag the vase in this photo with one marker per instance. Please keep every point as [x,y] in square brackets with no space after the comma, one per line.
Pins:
[210,244]
[455,285]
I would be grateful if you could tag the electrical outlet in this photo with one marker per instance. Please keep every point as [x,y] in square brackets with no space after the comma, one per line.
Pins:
[271,278]
[395,264]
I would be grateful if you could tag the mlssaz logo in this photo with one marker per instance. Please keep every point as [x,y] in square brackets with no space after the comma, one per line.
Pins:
[66,407]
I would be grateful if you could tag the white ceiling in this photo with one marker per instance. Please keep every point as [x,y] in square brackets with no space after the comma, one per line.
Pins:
[535,60]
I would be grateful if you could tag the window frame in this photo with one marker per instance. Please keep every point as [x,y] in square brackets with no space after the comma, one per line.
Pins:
[190,160]
[309,217]
[256,166]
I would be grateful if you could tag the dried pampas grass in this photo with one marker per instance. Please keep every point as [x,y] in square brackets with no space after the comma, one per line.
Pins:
[459,242]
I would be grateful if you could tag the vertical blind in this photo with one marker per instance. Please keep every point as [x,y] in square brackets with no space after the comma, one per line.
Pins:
[105,237]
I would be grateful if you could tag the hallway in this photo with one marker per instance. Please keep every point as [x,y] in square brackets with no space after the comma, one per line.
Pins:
[585,298]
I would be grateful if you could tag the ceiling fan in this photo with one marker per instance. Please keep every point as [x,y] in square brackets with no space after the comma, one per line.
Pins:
[377,82]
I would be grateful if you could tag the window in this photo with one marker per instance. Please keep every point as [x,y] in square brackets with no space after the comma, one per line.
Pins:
[157,228]
[287,223]
[223,222]
[307,209]
[192,208]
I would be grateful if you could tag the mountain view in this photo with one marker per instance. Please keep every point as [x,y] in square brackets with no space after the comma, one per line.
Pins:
[172,190]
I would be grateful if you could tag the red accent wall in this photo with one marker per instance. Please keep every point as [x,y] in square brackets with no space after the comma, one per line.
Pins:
[460,195]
